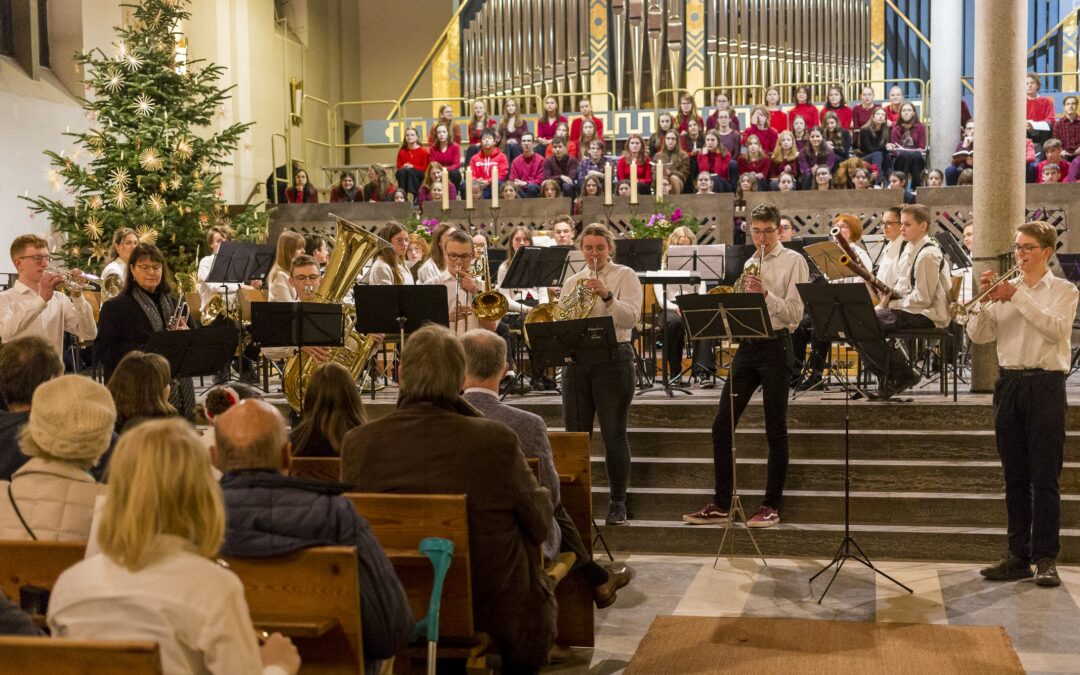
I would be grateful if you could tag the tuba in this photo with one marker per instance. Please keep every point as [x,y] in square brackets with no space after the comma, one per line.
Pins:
[354,249]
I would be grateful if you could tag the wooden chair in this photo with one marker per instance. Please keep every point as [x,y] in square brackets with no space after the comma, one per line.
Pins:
[321,468]
[311,596]
[35,563]
[570,450]
[48,656]
[400,522]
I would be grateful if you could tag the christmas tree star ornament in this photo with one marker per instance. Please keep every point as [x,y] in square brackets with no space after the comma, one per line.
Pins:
[133,62]
[54,178]
[144,105]
[92,227]
[114,80]
[150,159]
[120,177]
[175,183]
[121,198]
[146,234]
[157,202]
[183,149]
[95,203]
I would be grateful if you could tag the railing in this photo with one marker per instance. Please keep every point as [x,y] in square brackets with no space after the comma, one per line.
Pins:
[288,164]
[452,24]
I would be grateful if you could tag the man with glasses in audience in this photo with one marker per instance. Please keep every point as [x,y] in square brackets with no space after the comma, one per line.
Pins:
[764,362]
[34,307]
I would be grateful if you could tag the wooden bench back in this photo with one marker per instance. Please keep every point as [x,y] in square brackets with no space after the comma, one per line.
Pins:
[400,522]
[321,468]
[312,596]
[35,563]
[46,655]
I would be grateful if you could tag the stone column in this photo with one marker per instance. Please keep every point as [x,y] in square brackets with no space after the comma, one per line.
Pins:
[947,25]
[1000,61]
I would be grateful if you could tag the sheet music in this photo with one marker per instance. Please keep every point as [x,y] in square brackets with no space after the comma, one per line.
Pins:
[708,263]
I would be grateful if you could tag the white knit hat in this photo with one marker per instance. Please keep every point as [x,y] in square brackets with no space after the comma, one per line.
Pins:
[71,417]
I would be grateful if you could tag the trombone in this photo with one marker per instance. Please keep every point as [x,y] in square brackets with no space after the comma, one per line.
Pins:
[962,313]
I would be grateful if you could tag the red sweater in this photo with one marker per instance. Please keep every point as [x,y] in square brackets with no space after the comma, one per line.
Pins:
[777,168]
[807,112]
[761,166]
[681,125]
[482,165]
[843,112]
[766,136]
[418,157]
[575,127]
[545,131]
[449,158]
[860,115]
[1040,109]
[644,170]
[474,133]
[715,163]
[778,120]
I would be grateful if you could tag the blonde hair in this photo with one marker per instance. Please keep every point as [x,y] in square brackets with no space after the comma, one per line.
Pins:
[1041,231]
[432,364]
[287,244]
[160,483]
[597,230]
[680,233]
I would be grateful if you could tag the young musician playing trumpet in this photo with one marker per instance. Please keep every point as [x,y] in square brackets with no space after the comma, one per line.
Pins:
[764,362]
[1032,323]
[605,390]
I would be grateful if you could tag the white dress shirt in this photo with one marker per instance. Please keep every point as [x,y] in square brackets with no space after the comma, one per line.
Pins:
[627,295]
[381,274]
[193,608]
[23,312]
[887,262]
[780,271]
[428,273]
[1033,329]
[207,291]
[455,295]
[514,296]
[930,294]
[280,288]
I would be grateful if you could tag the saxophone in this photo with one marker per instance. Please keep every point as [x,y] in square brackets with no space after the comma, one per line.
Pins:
[353,250]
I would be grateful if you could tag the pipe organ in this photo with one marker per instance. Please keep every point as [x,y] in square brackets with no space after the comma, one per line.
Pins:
[530,48]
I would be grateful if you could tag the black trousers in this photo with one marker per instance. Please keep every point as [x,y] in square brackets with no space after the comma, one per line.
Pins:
[879,355]
[409,181]
[764,363]
[819,349]
[1029,420]
[604,391]
[675,341]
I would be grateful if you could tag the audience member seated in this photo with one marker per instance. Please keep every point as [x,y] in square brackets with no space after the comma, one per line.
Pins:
[140,388]
[935,178]
[445,119]
[527,169]
[963,157]
[446,153]
[561,167]
[892,108]
[864,109]
[332,407]
[1067,129]
[51,497]
[378,187]
[585,106]
[346,190]
[835,104]
[898,181]
[635,152]
[778,119]
[714,160]
[219,399]
[510,129]
[488,162]
[759,126]
[25,364]
[664,123]
[704,184]
[270,514]
[907,144]
[722,104]
[412,163]
[485,365]
[433,177]
[755,162]
[548,124]
[1040,111]
[837,137]
[435,443]
[816,153]
[804,108]
[872,142]
[1053,160]
[156,579]
[676,162]
[687,111]
[301,191]
[478,124]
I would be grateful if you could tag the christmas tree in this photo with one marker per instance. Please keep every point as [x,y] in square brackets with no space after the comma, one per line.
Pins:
[150,160]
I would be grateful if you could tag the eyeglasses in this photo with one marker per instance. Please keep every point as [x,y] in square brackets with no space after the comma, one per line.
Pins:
[768,230]
[460,256]
[148,268]
[40,258]
[890,222]
[1027,248]
[302,278]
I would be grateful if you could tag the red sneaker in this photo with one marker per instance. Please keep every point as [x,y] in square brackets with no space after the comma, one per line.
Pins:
[766,516]
[709,514]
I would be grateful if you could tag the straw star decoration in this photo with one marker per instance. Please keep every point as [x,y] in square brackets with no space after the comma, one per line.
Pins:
[133,62]
[95,203]
[146,234]
[175,183]
[144,105]
[121,198]
[92,227]
[54,178]
[157,202]
[150,159]
[120,177]
[114,80]
[184,149]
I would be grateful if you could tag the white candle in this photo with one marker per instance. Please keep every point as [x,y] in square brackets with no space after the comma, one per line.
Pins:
[607,184]
[495,189]
[468,189]
[446,190]
[633,181]
[659,181]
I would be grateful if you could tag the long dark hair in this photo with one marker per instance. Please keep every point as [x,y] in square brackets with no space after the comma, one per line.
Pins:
[332,406]
[153,254]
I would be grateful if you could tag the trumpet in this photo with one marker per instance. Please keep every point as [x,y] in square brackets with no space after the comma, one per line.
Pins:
[178,311]
[962,312]
[74,282]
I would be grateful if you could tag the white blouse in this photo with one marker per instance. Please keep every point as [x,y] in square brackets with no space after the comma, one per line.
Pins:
[381,274]
[428,273]
[280,288]
[514,296]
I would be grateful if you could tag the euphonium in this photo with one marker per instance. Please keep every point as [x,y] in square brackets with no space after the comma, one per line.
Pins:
[488,305]
[353,250]
[962,313]
[216,307]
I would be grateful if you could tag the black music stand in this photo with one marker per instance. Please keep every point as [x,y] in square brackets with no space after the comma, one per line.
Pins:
[640,255]
[728,316]
[844,312]
[299,325]
[735,257]
[584,341]
[664,279]
[399,309]
[956,253]
[532,267]
[1070,269]
[238,263]
[194,353]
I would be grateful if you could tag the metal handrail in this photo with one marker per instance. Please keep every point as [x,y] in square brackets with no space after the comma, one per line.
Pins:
[450,25]
[337,107]
[969,80]
[924,87]
[903,17]
[329,142]
[288,164]
[1047,34]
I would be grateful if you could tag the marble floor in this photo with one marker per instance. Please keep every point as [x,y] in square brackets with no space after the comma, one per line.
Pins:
[1044,624]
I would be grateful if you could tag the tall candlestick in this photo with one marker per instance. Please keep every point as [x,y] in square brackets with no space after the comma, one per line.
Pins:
[446,189]
[468,188]
[659,181]
[495,189]
[607,184]
[633,181]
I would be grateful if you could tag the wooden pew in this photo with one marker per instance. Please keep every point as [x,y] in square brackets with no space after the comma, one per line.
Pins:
[31,655]
[311,596]
[400,522]
[321,468]
[570,451]
[35,563]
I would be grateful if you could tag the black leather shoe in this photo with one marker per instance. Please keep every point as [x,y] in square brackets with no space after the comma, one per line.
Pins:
[1046,573]
[1009,568]
[618,576]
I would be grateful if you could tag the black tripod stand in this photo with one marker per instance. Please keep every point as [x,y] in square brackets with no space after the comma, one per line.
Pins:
[844,312]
